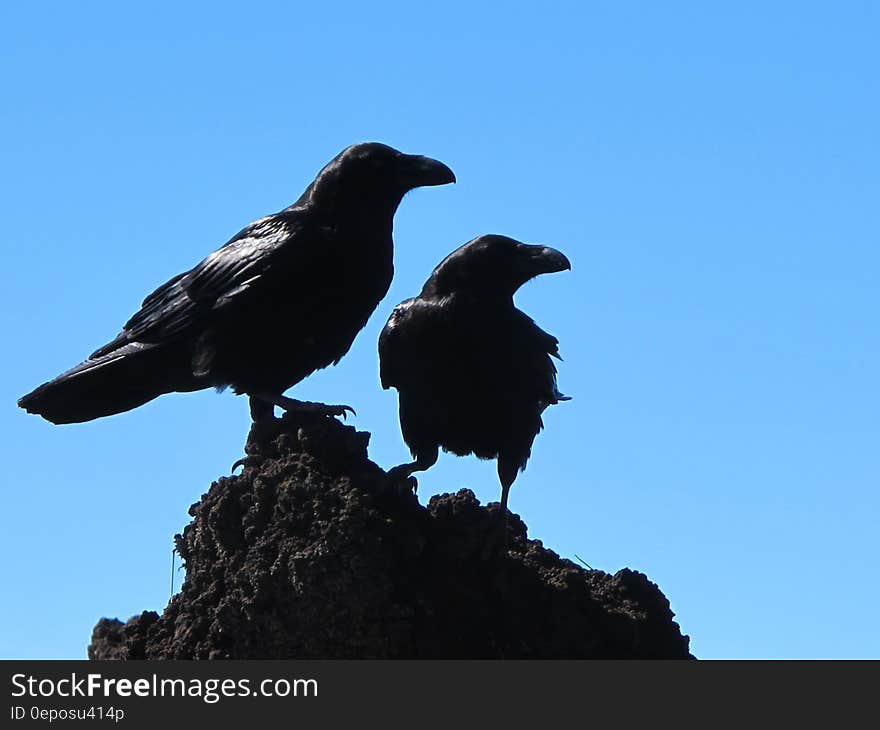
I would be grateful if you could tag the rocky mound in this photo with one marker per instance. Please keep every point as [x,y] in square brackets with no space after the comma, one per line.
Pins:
[310,554]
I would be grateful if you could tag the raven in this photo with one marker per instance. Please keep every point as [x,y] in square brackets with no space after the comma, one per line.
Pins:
[472,371]
[284,297]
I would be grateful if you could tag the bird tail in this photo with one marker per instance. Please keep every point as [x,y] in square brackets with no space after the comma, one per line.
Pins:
[112,383]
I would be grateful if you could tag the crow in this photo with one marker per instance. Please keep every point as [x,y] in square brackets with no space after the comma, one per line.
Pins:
[284,297]
[473,372]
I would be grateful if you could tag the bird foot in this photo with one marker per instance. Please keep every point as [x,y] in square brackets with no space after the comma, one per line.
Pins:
[401,481]
[318,409]
[334,410]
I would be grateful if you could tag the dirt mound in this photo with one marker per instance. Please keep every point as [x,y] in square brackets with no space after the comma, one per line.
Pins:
[308,554]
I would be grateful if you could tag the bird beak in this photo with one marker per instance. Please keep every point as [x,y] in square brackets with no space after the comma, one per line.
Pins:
[418,171]
[544,260]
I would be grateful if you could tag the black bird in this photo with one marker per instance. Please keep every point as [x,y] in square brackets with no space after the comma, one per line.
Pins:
[284,297]
[472,371]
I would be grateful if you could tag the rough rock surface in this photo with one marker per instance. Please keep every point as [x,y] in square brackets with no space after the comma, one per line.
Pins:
[309,554]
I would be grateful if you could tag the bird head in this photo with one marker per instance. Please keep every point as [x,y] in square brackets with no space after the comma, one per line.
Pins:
[493,265]
[375,175]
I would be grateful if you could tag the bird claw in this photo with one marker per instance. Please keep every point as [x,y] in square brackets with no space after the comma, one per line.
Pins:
[334,410]
[341,411]
[408,486]
[246,461]
[401,481]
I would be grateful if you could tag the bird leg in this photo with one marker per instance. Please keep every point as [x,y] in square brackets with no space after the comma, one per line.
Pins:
[262,403]
[262,415]
[507,471]
[505,491]
[401,478]
[261,410]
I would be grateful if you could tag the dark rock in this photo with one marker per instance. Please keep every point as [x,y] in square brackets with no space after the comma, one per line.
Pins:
[310,554]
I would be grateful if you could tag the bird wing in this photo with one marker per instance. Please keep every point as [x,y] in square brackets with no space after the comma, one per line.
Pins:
[535,349]
[421,329]
[410,340]
[535,336]
[392,353]
[189,298]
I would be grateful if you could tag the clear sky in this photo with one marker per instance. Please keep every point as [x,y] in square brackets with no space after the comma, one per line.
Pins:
[711,170]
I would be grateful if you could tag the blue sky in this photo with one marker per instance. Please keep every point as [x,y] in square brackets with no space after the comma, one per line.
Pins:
[711,170]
